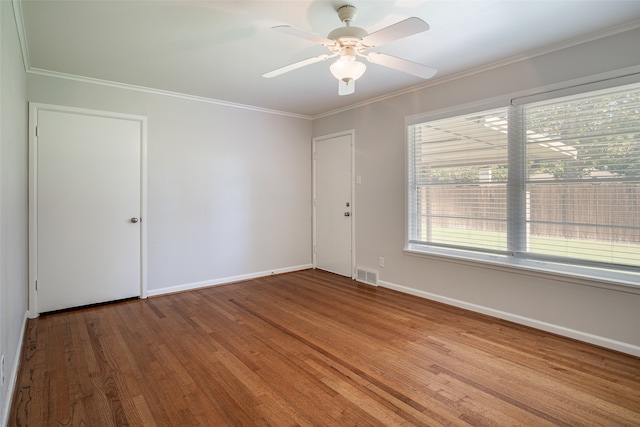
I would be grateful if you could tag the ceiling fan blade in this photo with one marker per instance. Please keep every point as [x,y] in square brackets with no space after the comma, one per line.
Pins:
[406,28]
[400,64]
[346,87]
[297,32]
[296,65]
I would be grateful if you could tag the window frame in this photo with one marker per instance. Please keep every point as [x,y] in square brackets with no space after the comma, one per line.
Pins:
[587,273]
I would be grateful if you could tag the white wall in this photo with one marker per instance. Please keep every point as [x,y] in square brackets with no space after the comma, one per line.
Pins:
[593,314]
[228,188]
[13,200]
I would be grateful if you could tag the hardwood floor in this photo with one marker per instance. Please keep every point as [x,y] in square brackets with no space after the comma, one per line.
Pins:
[311,348]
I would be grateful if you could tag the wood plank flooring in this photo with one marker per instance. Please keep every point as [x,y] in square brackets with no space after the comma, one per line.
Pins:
[311,349]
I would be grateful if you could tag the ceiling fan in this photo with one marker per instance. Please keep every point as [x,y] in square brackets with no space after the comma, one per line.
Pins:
[348,43]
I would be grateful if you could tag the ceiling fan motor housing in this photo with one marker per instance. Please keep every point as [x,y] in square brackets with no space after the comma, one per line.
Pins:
[347,34]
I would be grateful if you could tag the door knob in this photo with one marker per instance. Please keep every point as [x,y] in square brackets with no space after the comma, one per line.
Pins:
[134,220]
[347,214]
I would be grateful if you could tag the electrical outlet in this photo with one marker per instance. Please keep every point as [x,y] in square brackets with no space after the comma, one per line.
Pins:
[381,262]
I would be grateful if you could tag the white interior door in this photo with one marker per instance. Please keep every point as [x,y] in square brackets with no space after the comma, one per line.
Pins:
[333,204]
[88,226]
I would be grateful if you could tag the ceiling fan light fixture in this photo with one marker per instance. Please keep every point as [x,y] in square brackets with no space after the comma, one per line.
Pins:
[347,68]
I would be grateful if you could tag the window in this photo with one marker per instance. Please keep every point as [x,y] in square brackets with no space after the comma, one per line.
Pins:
[556,181]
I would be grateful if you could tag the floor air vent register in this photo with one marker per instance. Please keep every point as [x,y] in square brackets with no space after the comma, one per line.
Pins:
[370,277]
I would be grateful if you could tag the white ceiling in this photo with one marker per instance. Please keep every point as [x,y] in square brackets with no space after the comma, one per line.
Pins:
[220,49]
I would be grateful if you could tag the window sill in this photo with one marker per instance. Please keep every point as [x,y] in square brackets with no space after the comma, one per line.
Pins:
[620,281]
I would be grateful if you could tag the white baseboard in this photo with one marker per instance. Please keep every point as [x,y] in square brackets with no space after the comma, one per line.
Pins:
[13,377]
[544,326]
[224,280]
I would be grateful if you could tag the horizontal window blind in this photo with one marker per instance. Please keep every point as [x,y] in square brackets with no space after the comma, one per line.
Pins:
[583,177]
[458,182]
[555,180]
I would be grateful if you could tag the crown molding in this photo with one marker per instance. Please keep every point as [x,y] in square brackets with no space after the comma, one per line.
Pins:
[118,85]
[22,36]
[17,8]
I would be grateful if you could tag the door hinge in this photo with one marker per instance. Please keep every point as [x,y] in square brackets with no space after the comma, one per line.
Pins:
[36,285]
[315,249]
[36,131]
[315,202]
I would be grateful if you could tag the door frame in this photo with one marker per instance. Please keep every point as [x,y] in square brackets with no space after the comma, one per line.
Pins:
[34,109]
[351,133]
